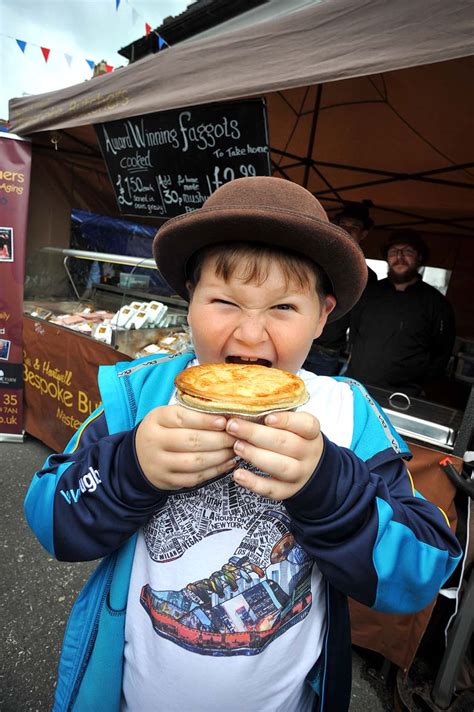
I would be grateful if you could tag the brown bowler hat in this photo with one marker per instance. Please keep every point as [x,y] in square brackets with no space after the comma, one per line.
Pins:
[271,211]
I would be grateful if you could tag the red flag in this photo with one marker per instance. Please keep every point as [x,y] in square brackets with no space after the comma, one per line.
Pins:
[45,52]
[109,68]
[148,28]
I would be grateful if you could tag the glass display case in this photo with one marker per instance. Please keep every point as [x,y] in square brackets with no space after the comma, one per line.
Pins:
[69,335]
[124,315]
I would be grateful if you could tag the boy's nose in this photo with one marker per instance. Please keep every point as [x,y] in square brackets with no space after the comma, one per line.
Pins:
[251,330]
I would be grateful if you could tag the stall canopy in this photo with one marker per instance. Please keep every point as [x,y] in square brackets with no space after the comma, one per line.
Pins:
[342,121]
[280,45]
[368,100]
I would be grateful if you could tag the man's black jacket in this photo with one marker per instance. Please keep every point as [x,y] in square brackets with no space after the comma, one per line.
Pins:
[400,339]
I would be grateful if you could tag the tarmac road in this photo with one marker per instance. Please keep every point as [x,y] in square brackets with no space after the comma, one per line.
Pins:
[36,594]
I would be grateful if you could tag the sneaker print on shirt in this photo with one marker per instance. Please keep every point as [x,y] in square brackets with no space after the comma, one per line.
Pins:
[262,590]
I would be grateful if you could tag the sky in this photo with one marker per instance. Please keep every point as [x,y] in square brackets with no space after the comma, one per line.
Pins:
[82,29]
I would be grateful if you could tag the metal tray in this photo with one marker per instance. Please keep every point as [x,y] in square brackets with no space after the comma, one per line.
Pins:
[421,420]
[422,430]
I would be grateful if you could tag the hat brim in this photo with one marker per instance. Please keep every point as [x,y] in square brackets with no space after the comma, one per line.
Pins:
[328,245]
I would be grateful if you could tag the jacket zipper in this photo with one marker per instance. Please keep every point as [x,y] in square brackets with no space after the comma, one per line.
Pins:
[90,643]
[132,402]
[326,639]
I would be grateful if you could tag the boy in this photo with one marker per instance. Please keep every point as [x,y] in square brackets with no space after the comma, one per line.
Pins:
[223,589]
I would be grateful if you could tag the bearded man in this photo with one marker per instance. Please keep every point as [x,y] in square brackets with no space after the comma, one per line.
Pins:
[402,330]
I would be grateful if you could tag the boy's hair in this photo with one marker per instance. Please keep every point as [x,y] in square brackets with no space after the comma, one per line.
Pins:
[254,258]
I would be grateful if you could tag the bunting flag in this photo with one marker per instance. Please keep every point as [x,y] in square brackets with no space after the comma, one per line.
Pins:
[22,44]
[148,28]
[46,51]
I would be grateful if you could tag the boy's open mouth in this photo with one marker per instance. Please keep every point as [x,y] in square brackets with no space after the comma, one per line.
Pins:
[248,360]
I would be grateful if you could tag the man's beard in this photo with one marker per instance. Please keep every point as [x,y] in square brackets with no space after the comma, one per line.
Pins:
[403,277]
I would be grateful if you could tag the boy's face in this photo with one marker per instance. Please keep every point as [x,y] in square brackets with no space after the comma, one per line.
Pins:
[272,323]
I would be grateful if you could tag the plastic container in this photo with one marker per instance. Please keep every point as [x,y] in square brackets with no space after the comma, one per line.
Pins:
[465,367]
[134,281]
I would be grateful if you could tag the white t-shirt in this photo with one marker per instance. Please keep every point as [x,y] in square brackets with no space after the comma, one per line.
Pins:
[225,610]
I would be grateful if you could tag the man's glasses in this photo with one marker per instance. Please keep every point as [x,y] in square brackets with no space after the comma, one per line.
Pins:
[404,251]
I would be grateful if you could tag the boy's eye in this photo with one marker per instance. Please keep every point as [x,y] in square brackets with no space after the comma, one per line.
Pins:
[284,307]
[224,301]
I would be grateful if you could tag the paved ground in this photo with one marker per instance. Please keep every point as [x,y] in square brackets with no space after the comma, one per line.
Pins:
[36,593]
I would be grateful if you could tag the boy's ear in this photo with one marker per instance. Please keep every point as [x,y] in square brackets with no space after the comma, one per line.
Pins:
[190,288]
[327,306]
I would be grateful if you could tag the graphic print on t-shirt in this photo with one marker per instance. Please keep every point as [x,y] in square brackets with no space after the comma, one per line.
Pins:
[261,590]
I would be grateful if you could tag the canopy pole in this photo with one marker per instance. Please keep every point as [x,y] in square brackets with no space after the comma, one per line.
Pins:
[312,135]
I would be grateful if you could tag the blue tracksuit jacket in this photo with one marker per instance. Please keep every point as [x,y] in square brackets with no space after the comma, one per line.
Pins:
[373,537]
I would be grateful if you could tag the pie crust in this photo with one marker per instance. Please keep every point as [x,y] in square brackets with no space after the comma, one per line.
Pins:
[247,389]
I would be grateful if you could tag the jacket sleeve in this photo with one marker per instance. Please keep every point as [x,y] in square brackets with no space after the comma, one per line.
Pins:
[84,503]
[372,535]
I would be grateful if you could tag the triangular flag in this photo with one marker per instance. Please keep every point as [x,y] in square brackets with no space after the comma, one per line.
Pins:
[109,68]
[134,16]
[68,58]
[21,45]
[91,63]
[45,52]
[148,28]
[161,42]
[117,3]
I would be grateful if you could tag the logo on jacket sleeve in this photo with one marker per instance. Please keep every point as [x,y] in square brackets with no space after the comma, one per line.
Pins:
[87,483]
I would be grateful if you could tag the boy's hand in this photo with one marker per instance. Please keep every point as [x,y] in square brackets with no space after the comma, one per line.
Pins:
[180,448]
[288,447]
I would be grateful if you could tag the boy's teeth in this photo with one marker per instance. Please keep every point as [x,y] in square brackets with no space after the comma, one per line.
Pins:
[243,359]
[248,359]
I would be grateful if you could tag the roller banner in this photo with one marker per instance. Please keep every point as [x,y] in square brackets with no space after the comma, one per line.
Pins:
[15,168]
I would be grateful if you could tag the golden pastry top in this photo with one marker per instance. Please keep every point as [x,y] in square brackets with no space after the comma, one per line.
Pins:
[243,388]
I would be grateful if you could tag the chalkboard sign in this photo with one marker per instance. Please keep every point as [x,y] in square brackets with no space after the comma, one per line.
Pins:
[168,163]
